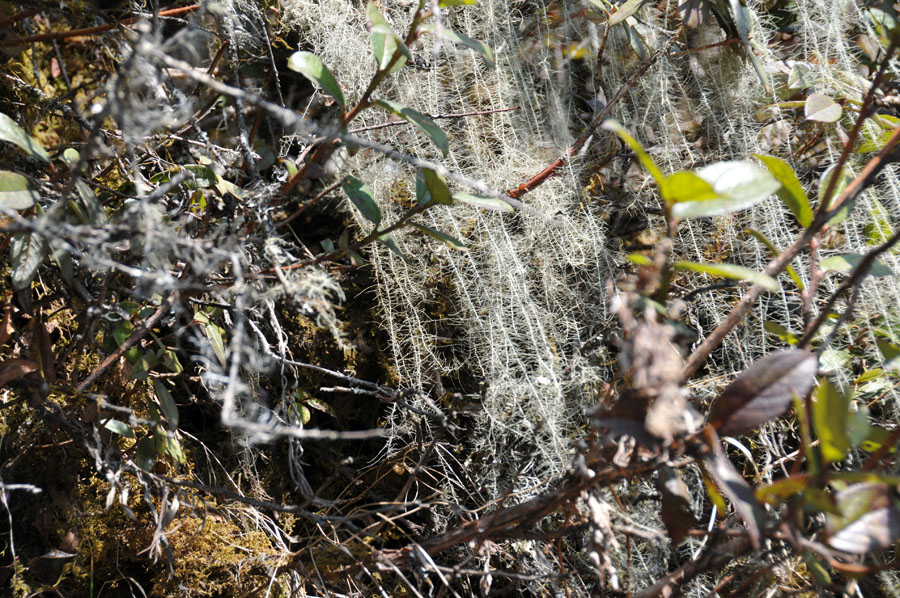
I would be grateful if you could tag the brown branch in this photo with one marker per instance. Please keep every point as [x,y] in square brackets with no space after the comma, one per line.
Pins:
[538,179]
[56,35]
[400,123]
[132,340]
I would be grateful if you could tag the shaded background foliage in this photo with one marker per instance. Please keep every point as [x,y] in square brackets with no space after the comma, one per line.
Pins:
[188,463]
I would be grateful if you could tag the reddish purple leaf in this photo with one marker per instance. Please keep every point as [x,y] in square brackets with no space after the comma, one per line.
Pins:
[764,391]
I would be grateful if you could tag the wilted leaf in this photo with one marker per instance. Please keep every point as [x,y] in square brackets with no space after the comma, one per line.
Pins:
[731,271]
[848,261]
[311,66]
[483,201]
[677,514]
[442,237]
[92,209]
[13,133]
[432,188]
[44,348]
[6,325]
[428,126]
[480,47]
[763,391]
[830,411]
[741,184]
[27,253]
[361,196]
[791,191]
[822,108]
[869,519]
[16,191]
[13,369]
[385,42]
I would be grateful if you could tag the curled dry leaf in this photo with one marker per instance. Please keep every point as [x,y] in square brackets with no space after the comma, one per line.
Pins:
[13,369]
[763,391]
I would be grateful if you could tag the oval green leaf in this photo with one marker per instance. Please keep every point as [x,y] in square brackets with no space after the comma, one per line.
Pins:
[741,184]
[385,41]
[848,261]
[821,108]
[686,186]
[361,196]
[432,188]
[733,272]
[830,410]
[446,239]
[483,201]
[16,191]
[311,66]
[27,253]
[791,191]
[434,132]
[13,133]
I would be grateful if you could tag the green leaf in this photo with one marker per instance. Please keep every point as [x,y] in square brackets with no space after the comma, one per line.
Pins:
[13,133]
[90,207]
[322,406]
[16,191]
[686,186]
[801,77]
[781,332]
[166,403]
[391,244]
[741,184]
[27,253]
[821,108]
[434,132]
[385,42]
[120,428]
[774,251]
[791,191]
[442,237]
[303,413]
[624,11]
[890,353]
[844,179]
[480,47]
[203,176]
[878,230]
[635,145]
[733,272]
[311,66]
[146,454]
[848,261]
[639,259]
[173,449]
[830,410]
[361,196]
[483,201]
[432,188]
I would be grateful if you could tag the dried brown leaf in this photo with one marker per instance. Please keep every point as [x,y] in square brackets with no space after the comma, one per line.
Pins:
[13,369]
[677,514]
